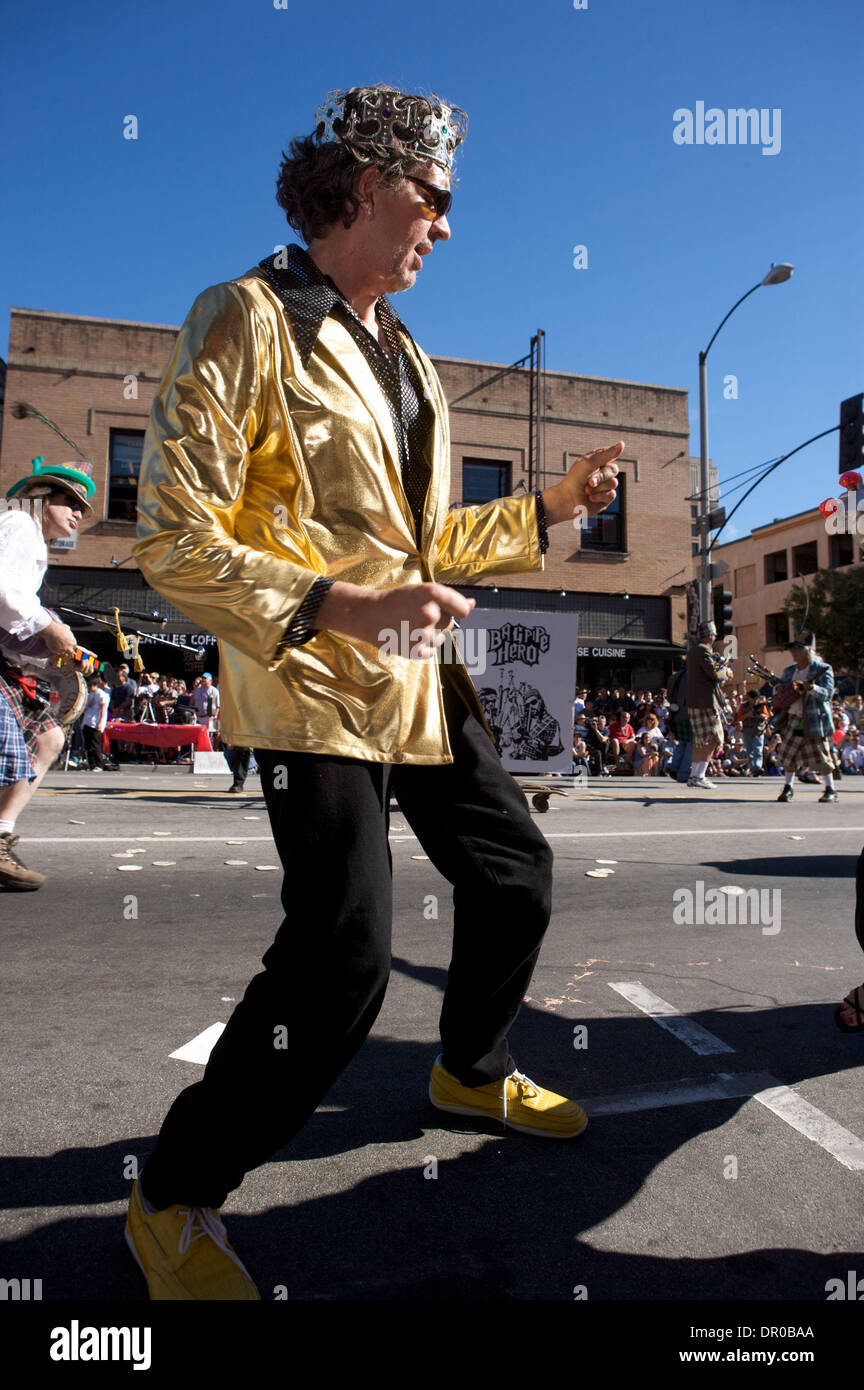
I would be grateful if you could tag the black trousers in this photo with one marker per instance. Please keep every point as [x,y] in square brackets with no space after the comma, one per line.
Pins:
[303,1018]
[93,745]
[239,760]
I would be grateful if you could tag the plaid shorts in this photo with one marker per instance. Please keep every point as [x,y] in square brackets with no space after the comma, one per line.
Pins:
[800,751]
[707,727]
[20,727]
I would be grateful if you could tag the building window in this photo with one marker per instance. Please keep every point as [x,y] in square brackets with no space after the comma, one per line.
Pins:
[805,558]
[745,581]
[841,550]
[484,480]
[607,531]
[776,629]
[124,462]
[776,567]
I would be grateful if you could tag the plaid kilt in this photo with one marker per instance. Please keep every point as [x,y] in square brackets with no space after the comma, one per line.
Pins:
[800,751]
[707,727]
[683,730]
[20,727]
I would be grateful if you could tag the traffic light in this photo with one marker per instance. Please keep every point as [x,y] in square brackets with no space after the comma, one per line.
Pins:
[723,612]
[852,434]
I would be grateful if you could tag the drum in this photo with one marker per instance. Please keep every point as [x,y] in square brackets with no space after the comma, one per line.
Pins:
[68,692]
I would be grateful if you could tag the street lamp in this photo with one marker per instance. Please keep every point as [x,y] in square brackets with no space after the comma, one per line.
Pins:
[776,275]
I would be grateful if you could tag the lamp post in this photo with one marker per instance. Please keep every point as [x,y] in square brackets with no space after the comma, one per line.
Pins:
[776,275]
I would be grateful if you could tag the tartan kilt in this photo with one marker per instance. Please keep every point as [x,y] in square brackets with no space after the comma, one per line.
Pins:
[707,727]
[800,751]
[20,727]
[683,730]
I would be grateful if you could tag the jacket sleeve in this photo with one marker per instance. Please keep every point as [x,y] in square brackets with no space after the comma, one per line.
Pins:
[21,613]
[824,686]
[500,537]
[202,430]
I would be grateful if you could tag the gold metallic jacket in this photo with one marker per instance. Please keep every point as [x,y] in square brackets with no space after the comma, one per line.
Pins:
[258,475]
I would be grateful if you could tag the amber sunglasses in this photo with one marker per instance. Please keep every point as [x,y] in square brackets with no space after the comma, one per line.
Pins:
[440,198]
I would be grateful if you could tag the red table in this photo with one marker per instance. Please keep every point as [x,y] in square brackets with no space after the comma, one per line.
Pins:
[158,735]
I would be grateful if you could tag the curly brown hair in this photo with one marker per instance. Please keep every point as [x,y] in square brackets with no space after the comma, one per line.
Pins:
[316,184]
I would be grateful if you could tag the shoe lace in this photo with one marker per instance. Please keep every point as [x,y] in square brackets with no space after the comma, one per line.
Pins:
[200,1221]
[524,1086]
[6,851]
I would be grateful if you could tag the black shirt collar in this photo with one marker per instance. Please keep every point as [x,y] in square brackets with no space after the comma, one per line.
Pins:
[309,296]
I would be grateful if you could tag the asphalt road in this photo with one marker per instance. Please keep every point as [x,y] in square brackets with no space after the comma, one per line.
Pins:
[724,1164]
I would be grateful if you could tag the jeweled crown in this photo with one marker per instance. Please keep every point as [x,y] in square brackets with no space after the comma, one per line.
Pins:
[381,121]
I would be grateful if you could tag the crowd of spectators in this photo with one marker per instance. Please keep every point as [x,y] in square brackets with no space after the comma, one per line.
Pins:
[617,732]
[155,698]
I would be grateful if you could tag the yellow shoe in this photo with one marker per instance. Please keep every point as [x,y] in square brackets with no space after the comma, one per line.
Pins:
[183,1253]
[520,1103]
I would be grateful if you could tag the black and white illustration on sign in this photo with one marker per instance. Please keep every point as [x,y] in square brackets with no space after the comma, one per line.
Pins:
[525,683]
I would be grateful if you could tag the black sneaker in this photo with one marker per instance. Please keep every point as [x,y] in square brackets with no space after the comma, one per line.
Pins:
[786,794]
[829,795]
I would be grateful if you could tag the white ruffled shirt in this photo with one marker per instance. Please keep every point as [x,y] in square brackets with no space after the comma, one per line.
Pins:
[23,562]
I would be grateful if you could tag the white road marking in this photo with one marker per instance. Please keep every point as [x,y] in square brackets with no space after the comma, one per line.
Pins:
[814,1124]
[199,1049]
[553,835]
[686,1092]
[692,1034]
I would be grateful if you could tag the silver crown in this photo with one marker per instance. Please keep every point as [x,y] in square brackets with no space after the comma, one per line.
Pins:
[382,121]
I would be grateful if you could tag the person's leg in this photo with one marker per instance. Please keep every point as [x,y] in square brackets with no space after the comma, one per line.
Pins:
[14,798]
[473,821]
[302,1019]
[240,767]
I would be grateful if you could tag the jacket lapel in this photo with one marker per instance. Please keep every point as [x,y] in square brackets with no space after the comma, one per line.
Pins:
[358,377]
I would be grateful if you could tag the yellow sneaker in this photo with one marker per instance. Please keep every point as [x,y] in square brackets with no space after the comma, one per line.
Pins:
[184,1255]
[520,1103]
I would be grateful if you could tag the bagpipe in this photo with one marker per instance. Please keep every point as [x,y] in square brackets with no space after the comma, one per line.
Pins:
[722,674]
[783,692]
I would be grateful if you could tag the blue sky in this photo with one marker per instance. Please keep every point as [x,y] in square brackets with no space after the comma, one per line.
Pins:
[570,143]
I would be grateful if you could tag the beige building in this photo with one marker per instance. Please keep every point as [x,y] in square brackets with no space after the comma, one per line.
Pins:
[766,565]
[623,573]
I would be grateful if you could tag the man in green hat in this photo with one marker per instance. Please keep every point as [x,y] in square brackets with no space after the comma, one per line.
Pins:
[46,504]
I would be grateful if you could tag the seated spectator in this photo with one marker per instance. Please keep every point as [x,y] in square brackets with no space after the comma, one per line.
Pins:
[163,701]
[183,712]
[622,738]
[854,707]
[852,753]
[122,699]
[599,745]
[580,755]
[646,757]
[603,700]
[621,700]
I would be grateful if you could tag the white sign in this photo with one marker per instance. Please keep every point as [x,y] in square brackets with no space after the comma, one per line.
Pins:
[526,689]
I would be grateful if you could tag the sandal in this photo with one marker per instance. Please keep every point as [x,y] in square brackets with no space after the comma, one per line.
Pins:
[854,1000]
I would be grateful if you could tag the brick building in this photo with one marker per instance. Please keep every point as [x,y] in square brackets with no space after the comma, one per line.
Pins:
[623,573]
[763,569]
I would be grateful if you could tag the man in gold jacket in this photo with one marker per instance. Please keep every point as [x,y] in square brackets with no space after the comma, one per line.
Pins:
[293,499]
